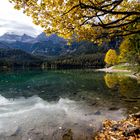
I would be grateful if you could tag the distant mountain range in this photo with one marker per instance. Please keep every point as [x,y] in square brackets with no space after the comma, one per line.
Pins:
[43,47]
[52,45]
[10,38]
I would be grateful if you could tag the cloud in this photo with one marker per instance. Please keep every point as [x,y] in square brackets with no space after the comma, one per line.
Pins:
[17,27]
[12,20]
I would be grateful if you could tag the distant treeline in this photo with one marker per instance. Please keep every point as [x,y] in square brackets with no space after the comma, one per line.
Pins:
[81,61]
[12,58]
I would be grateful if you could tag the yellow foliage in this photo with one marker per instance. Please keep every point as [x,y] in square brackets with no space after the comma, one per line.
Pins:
[126,86]
[79,17]
[111,80]
[130,49]
[111,57]
[125,48]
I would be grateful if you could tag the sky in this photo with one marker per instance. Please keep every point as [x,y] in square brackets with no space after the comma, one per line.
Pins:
[14,21]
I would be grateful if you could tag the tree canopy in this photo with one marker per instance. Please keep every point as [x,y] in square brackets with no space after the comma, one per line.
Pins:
[130,49]
[84,19]
[111,57]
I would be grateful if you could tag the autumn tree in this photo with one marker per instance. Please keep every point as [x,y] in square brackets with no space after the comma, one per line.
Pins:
[130,52]
[111,57]
[84,19]
[130,49]
[125,49]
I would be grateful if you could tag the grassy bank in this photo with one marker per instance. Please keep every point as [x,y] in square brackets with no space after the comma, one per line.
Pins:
[124,69]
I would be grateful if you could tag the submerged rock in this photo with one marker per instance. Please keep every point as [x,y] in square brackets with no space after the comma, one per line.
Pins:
[97,113]
[68,135]
[113,108]
[17,131]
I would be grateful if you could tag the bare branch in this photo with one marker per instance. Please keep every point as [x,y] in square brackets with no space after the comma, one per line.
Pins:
[85,6]
[124,24]
[71,9]
[114,22]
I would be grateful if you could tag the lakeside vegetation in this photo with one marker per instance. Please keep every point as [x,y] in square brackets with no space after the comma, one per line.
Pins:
[122,67]
[99,22]
[129,53]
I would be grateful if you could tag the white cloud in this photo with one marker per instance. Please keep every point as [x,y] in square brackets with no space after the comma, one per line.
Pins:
[12,20]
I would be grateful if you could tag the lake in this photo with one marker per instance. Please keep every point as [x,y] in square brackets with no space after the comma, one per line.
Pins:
[63,104]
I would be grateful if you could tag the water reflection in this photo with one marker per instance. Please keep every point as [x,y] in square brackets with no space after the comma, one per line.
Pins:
[125,85]
[36,119]
[68,104]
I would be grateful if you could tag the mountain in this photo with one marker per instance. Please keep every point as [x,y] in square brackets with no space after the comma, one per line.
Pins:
[3,46]
[52,51]
[41,45]
[41,37]
[26,38]
[53,45]
[8,37]
[54,38]
[24,46]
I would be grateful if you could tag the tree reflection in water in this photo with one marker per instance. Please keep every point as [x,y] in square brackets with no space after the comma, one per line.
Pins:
[125,85]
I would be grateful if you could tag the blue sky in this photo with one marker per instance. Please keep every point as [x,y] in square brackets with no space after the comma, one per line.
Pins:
[15,21]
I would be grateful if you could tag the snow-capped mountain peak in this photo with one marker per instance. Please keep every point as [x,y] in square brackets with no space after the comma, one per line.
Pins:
[11,37]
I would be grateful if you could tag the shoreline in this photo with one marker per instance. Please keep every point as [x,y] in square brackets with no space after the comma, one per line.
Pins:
[113,70]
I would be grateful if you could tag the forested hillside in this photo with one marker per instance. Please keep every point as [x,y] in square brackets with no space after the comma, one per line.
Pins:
[56,51]
[11,58]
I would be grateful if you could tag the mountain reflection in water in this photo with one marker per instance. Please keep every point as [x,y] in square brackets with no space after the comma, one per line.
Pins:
[68,104]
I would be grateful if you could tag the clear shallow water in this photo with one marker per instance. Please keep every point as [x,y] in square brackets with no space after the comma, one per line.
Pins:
[58,104]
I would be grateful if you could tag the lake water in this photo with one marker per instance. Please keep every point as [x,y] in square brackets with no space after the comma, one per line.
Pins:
[63,104]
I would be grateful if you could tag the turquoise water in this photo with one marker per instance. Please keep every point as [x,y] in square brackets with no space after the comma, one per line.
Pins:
[53,105]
